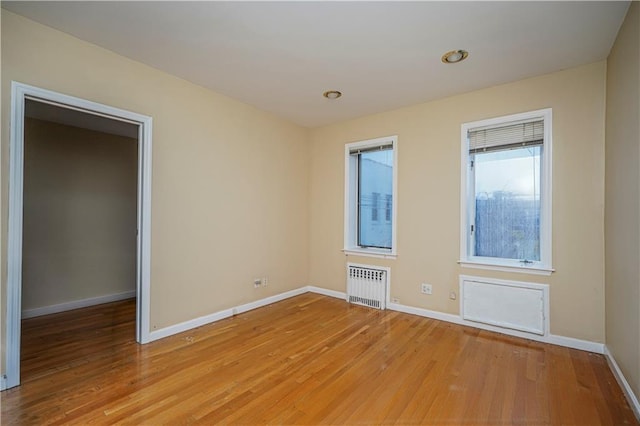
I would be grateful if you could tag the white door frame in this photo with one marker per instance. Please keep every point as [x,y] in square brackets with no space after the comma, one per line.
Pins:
[19,94]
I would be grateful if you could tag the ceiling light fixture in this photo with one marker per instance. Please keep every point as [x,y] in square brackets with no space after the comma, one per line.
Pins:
[332,94]
[454,56]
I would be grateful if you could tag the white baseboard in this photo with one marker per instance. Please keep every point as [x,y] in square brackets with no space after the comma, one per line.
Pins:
[622,381]
[455,319]
[268,300]
[225,313]
[424,313]
[569,342]
[327,292]
[77,304]
[190,324]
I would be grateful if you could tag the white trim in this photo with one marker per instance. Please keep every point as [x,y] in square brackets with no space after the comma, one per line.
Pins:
[622,381]
[441,316]
[571,342]
[326,292]
[568,342]
[14,244]
[145,168]
[77,304]
[532,270]
[350,214]
[366,252]
[225,313]
[19,93]
[544,266]
[268,300]
[190,324]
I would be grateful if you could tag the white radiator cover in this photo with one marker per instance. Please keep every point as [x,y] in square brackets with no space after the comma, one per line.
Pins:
[367,285]
[507,304]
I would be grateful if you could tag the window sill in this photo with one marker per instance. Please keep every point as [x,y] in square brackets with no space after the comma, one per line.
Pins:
[507,267]
[366,252]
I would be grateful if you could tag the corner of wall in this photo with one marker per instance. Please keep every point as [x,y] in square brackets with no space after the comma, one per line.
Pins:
[622,381]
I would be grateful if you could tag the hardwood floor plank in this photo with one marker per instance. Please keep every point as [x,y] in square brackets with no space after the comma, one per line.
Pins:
[306,360]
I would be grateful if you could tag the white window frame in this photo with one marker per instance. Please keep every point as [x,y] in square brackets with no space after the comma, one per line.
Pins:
[350,200]
[542,267]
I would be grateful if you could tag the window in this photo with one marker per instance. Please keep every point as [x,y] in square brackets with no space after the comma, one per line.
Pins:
[370,171]
[506,193]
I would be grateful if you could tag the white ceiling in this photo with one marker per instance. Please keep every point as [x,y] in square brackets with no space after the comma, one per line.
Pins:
[281,56]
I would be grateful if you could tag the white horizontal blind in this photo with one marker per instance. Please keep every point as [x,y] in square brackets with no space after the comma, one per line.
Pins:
[514,135]
[384,147]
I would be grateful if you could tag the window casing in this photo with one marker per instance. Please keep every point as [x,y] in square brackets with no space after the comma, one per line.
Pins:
[506,193]
[370,201]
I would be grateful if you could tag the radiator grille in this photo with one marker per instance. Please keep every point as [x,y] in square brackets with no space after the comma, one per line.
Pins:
[366,286]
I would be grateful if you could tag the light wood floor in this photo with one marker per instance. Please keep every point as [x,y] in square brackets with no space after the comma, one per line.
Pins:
[307,360]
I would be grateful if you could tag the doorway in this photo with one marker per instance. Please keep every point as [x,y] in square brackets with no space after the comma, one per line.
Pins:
[96,117]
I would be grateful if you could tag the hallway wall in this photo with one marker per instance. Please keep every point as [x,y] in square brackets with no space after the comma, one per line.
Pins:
[80,209]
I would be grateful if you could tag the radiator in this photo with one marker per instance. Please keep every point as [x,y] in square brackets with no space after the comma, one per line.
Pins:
[366,286]
[507,304]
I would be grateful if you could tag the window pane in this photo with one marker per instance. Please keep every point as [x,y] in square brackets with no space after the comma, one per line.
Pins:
[375,184]
[507,198]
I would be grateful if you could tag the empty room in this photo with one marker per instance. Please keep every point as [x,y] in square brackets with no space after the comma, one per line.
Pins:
[421,213]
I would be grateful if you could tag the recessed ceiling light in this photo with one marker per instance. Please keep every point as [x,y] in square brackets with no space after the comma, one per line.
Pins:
[332,94]
[454,56]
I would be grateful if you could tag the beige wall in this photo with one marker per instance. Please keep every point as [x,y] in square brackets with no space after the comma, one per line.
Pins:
[622,208]
[230,182]
[80,198]
[238,193]
[429,195]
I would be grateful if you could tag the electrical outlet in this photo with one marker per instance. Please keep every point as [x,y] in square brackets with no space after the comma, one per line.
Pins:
[452,295]
[257,282]
[426,288]
[265,281]
[395,300]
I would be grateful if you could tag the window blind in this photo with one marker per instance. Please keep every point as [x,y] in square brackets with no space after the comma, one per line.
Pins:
[384,147]
[511,136]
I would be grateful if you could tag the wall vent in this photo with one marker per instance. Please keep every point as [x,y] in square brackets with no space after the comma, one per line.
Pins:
[367,285]
[507,304]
